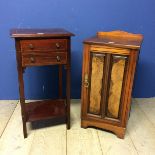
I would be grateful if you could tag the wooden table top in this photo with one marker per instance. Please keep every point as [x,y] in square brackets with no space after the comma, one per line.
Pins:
[29,33]
[117,39]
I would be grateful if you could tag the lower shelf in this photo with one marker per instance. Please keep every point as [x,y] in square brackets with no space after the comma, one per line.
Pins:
[45,109]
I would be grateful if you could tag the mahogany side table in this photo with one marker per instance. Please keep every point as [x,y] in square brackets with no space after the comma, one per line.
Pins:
[40,47]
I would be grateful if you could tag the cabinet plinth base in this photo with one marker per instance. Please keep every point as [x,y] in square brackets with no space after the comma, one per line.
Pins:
[119,131]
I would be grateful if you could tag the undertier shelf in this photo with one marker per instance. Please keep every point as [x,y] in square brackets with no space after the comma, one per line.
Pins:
[45,109]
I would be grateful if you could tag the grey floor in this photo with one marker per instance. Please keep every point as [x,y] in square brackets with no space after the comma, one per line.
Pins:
[56,140]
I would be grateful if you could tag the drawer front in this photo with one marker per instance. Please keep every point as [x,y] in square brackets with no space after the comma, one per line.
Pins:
[44,45]
[39,59]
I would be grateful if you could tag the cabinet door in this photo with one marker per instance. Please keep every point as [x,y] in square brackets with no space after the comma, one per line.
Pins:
[104,83]
[93,71]
[116,80]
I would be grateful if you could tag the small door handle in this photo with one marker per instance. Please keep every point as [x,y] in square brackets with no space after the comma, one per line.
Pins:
[86,81]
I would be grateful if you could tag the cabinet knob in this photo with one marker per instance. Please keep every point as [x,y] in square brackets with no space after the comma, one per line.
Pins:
[58,58]
[31,46]
[32,59]
[57,45]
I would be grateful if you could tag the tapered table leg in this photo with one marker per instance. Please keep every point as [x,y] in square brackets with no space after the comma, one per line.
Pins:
[68,96]
[20,70]
[22,99]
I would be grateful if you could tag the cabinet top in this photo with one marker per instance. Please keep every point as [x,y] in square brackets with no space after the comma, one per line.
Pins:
[117,39]
[29,33]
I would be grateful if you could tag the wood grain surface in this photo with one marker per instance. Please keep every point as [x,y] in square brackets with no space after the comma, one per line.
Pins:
[115,87]
[96,83]
[56,140]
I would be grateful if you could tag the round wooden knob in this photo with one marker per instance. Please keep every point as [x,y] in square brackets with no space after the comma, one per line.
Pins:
[58,58]
[32,59]
[57,45]
[31,46]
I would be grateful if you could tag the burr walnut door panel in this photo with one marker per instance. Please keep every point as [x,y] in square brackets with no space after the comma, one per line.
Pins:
[104,80]
[116,80]
[96,79]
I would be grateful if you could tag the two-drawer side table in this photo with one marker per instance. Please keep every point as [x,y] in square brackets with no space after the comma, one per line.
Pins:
[40,47]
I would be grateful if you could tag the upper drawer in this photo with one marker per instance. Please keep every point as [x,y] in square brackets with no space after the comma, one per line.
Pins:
[44,45]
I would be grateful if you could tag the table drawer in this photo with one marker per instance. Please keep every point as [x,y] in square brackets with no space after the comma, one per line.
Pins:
[44,45]
[39,59]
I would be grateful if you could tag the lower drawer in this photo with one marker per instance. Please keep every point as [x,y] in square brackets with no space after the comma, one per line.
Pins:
[39,59]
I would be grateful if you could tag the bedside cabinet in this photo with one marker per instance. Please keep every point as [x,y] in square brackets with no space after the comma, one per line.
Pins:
[40,47]
[109,62]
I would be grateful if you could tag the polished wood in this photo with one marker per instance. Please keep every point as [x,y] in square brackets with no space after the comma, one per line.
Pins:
[40,47]
[46,109]
[106,49]
[21,85]
[119,131]
[116,39]
[60,81]
[68,85]
[46,45]
[106,92]
[40,59]
[39,33]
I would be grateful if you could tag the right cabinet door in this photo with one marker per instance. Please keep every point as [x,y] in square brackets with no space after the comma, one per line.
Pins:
[116,84]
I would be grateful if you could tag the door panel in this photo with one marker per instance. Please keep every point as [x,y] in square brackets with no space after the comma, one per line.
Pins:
[116,84]
[96,78]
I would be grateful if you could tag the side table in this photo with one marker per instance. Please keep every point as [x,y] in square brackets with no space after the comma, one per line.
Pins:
[40,47]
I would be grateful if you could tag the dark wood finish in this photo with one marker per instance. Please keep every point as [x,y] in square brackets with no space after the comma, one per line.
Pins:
[40,59]
[21,86]
[60,81]
[68,85]
[107,83]
[39,47]
[40,33]
[46,109]
[47,45]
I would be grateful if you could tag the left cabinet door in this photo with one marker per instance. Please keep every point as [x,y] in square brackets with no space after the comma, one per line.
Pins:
[92,83]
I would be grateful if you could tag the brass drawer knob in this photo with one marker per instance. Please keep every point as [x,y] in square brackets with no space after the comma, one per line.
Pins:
[31,46]
[57,45]
[32,59]
[58,58]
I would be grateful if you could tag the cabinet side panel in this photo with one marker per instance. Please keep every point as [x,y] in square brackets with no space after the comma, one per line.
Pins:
[85,90]
[116,82]
[96,83]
